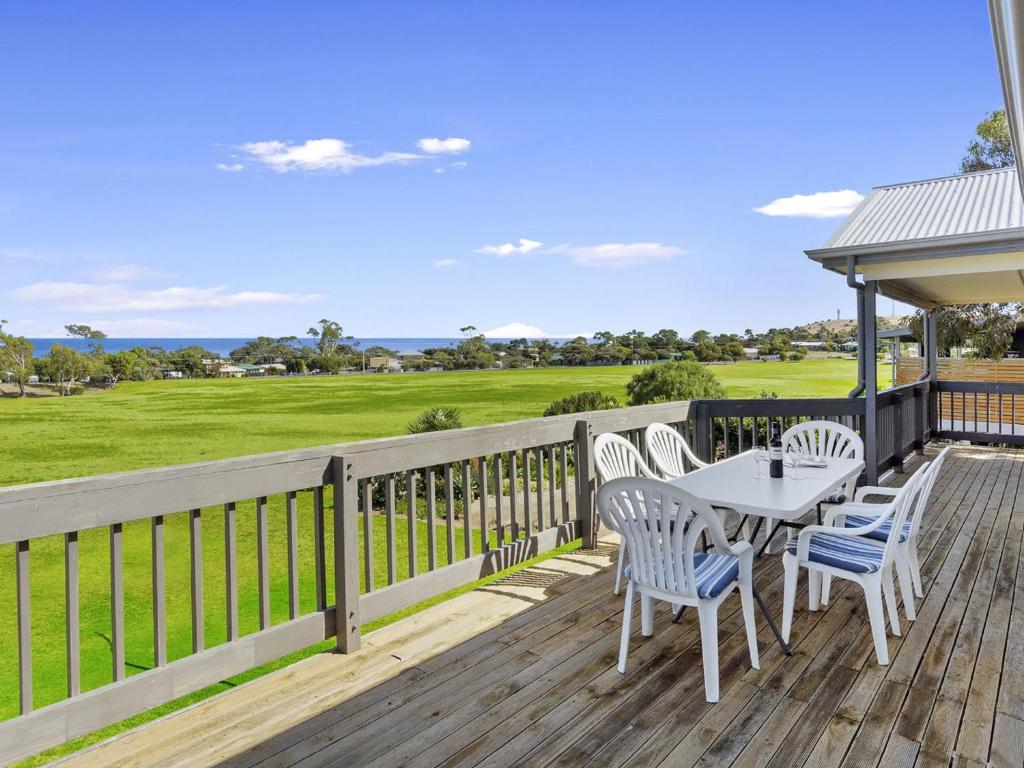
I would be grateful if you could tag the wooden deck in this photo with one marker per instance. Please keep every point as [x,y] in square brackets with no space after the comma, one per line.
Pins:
[523,673]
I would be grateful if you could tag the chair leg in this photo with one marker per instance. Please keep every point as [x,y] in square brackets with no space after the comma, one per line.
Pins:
[747,598]
[620,567]
[906,583]
[646,615]
[813,589]
[889,591]
[792,568]
[915,568]
[826,588]
[627,620]
[876,614]
[708,612]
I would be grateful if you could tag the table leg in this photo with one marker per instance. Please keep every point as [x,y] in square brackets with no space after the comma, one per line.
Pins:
[768,618]
[743,521]
[679,614]
[768,539]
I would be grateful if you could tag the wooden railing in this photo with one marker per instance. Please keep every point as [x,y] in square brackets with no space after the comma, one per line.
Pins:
[721,428]
[902,423]
[344,519]
[981,411]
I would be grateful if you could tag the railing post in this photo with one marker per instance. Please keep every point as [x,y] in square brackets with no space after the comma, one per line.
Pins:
[932,352]
[897,432]
[920,418]
[702,425]
[583,445]
[868,322]
[346,554]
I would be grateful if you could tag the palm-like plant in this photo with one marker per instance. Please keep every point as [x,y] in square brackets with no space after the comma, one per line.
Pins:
[436,419]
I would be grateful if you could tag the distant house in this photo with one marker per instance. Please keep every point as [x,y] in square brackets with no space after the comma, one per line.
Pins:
[274,369]
[809,345]
[252,370]
[229,371]
[411,357]
[384,364]
[751,353]
[173,375]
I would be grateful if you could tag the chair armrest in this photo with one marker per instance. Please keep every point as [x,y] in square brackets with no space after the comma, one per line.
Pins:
[741,548]
[874,490]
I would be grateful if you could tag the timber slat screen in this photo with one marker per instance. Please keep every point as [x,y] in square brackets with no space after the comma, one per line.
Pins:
[981,411]
[242,564]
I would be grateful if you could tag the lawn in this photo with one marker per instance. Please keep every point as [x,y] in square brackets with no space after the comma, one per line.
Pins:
[151,424]
[159,423]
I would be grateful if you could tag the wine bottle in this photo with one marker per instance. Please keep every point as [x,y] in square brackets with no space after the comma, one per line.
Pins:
[775,453]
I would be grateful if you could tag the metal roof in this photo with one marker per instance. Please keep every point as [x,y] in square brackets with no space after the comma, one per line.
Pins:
[964,205]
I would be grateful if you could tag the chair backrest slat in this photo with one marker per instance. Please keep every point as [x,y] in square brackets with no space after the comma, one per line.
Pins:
[927,483]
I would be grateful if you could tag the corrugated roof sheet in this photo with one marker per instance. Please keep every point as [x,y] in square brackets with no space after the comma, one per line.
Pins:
[956,205]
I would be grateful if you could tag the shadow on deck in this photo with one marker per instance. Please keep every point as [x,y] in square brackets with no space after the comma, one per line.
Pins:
[522,672]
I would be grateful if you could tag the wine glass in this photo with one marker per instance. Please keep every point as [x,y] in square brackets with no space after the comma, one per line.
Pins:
[760,457]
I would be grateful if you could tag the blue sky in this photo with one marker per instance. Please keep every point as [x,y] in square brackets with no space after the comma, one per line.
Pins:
[155,176]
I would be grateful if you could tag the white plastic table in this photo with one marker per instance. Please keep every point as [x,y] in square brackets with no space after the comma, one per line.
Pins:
[731,484]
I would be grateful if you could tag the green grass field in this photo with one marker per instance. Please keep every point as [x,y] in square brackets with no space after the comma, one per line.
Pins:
[161,423]
[152,424]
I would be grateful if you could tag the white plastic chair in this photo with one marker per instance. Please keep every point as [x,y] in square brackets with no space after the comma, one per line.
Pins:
[850,554]
[670,451]
[664,566]
[859,513]
[616,457]
[825,440]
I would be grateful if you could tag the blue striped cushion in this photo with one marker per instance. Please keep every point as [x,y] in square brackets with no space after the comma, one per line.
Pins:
[881,533]
[850,553]
[714,573]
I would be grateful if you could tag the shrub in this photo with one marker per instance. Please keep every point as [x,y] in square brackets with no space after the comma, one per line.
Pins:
[580,402]
[436,419]
[683,380]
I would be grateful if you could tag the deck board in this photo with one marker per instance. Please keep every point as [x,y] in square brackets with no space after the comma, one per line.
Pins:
[522,673]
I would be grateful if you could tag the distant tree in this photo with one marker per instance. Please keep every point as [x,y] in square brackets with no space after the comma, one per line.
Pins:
[122,365]
[467,330]
[992,147]
[66,367]
[328,335]
[582,402]
[15,357]
[437,419]
[699,337]
[667,382]
[577,352]
[84,332]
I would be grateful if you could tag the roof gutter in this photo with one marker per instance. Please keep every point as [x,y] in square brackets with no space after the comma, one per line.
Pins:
[851,280]
[1007,17]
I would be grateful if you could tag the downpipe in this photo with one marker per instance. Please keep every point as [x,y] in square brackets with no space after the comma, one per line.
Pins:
[851,280]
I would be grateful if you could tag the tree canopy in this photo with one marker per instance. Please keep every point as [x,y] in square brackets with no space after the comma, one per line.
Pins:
[682,380]
[991,148]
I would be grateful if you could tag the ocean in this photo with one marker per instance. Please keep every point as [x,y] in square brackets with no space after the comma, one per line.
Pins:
[223,347]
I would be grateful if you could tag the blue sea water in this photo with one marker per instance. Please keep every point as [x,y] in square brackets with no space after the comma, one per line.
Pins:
[224,346]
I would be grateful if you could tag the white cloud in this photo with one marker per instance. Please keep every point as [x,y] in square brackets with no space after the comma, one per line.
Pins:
[127,273]
[145,328]
[617,254]
[507,249]
[121,298]
[230,167]
[459,164]
[433,146]
[319,155]
[446,263]
[521,330]
[820,205]
[439,170]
